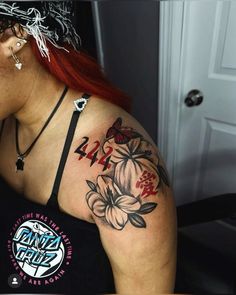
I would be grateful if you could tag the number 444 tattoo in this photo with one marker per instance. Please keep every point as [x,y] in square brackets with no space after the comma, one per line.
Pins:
[134,174]
[92,153]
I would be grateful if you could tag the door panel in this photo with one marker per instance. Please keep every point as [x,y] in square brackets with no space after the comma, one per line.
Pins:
[223,58]
[206,144]
[218,167]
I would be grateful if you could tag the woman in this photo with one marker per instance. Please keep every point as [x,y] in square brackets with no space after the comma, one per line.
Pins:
[97,202]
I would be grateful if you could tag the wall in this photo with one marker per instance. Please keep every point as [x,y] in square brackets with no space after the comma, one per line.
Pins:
[127,43]
[83,20]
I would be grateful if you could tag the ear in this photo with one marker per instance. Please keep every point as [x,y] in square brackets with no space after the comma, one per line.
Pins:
[11,41]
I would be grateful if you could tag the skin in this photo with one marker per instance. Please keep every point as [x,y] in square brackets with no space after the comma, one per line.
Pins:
[143,259]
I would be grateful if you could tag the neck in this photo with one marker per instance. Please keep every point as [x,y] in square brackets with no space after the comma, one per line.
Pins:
[38,93]
[39,102]
[37,105]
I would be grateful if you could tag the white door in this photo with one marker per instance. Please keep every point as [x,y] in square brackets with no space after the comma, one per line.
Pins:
[200,144]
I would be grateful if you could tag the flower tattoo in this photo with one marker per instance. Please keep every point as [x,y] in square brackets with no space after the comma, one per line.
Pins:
[107,201]
[117,198]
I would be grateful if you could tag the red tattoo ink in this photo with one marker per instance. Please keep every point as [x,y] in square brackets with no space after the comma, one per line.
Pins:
[92,154]
[145,183]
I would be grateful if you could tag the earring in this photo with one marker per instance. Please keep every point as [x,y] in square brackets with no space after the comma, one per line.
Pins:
[19,43]
[18,64]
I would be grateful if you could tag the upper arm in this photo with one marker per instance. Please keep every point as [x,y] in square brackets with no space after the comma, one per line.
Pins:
[132,205]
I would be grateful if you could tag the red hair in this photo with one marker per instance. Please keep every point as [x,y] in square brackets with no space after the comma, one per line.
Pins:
[81,72]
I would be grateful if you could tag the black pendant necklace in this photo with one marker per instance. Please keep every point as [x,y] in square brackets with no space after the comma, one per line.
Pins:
[20,163]
[21,156]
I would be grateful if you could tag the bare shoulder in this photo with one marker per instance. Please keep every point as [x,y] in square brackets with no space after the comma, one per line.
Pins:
[112,152]
[100,113]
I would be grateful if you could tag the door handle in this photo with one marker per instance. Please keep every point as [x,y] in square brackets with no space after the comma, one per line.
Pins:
[194,98]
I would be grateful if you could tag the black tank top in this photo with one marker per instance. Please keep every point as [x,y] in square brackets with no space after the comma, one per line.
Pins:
[43,250]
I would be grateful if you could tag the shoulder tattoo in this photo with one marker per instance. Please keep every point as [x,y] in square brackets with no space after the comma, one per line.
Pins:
[131,172]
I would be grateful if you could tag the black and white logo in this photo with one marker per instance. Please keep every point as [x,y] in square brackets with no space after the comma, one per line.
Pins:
[38,249]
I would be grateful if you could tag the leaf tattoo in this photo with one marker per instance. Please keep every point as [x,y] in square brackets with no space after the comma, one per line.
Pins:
[137,221]
[163,175]
[147,208]
[91,185]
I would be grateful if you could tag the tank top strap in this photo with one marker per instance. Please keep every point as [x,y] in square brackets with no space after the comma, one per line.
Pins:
[1,128]
[79,106]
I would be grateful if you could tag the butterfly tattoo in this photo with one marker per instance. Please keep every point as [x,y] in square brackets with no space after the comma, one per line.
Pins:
[121,135]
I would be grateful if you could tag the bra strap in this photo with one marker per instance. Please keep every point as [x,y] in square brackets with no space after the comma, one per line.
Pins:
[79,105]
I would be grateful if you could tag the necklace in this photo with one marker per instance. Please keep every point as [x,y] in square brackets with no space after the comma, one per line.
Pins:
[21,156]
